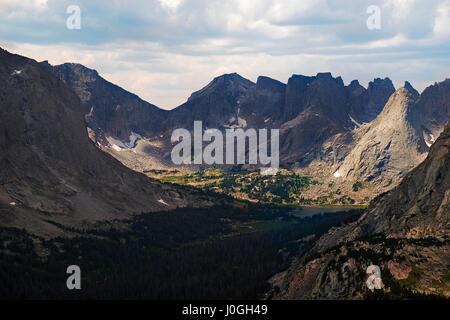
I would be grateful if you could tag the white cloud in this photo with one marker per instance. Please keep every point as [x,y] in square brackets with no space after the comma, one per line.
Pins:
[441,27]
[25,3]
[165,49]
[397,40]
[170,4]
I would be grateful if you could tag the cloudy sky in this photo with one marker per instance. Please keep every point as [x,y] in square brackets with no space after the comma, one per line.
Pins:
[163,50]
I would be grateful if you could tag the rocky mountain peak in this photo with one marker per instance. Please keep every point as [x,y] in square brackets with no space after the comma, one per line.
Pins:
[233,76]
[77,72]
[355,86]
[378,92]
[433,109]
[328,77]
[266,83]
[322,91]
[389,146]
[297,79]
[111,110]
[403,98]
[379,83]
[357,96]
[232,84]
[354,83]
[328,92]
[410,88]
[217,104]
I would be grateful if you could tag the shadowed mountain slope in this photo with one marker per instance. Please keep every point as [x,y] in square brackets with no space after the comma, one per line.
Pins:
[51,170]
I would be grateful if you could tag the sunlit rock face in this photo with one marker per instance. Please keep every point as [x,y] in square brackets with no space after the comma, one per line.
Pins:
[405,232]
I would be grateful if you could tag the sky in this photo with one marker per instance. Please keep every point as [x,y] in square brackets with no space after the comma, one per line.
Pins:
[163,50]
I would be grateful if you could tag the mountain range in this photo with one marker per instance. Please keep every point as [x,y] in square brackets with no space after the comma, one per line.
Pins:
[52,174]
[56,180]
[338,134]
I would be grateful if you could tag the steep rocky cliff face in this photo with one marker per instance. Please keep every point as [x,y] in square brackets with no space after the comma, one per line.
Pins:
[418,206]
[405,231]
[111,110]
[317,105]
[390,146]
[387,148]
[366,104]
[216,105]
[433,110]
[50,170]
[263,106]
[308,110]
[340,135]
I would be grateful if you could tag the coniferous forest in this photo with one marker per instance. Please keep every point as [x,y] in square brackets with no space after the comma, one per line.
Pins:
[216,253]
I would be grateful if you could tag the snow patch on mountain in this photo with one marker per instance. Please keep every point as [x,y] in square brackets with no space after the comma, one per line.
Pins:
[354,121]
[429,139]
[163,202]
[118,145]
